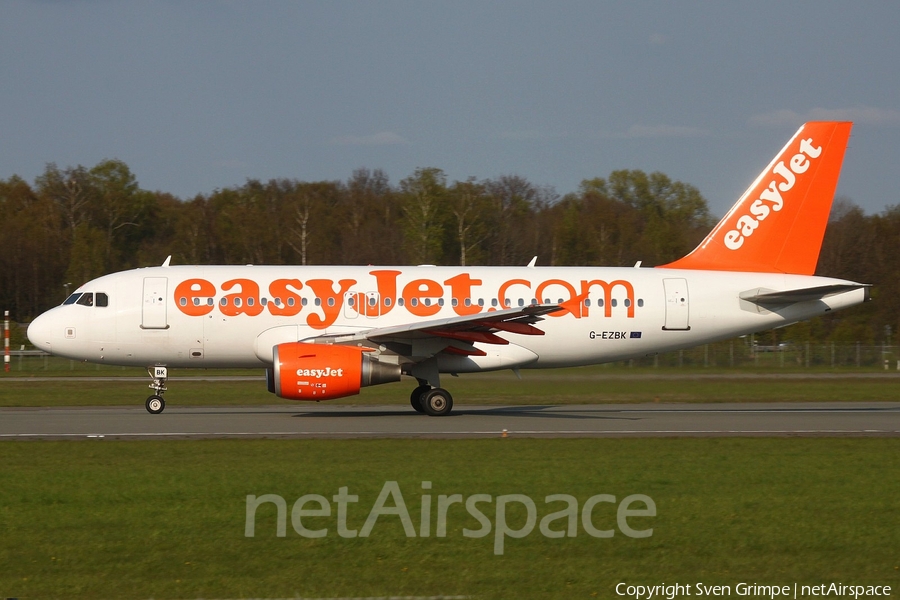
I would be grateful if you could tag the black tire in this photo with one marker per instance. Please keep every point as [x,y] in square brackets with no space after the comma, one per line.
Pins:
[415,398]
[155,404]
[437,402]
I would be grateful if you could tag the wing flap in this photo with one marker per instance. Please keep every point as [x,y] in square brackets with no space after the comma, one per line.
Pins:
[480,327]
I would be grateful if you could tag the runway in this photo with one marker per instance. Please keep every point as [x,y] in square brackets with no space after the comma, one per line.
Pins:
[323,421]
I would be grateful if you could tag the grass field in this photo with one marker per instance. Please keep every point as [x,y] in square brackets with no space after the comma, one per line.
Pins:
[558,386]
[167,519]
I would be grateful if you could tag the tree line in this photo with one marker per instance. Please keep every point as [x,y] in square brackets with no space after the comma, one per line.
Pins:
[73,224]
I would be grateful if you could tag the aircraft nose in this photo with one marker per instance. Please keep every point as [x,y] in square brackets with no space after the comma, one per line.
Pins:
[39,332]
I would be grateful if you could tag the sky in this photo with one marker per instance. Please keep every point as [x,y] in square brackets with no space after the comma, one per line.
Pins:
[199,96]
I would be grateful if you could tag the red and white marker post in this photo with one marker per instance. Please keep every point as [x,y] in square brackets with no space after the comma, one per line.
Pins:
[6,341]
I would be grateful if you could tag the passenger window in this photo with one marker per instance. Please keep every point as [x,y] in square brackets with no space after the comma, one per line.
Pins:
[614,302]
[102,300]
[640,302]
[87,299]
[587,301]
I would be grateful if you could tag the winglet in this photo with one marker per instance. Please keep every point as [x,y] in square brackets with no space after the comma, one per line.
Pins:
[778,224]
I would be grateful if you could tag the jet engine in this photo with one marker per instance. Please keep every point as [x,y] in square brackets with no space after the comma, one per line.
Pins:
[323,371]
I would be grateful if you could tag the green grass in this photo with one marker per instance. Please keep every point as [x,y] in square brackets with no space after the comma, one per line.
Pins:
[563,386]
[166,519]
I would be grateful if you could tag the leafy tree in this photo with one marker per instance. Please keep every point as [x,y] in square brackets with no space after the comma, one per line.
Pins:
[675,215]
[469,206]
[118,204]
[423,197]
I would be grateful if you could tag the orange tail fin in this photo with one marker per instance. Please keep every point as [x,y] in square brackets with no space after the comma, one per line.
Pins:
[778,224]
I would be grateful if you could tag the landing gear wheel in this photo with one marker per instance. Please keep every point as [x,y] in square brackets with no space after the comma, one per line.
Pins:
[437,402]
[415,398]
[155,404]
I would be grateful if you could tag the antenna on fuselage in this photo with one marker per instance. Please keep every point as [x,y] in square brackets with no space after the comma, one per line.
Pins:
[166,262]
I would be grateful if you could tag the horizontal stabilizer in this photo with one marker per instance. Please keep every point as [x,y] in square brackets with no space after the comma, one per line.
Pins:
[761,296]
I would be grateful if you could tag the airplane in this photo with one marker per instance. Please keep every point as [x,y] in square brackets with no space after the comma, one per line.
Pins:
[323,332]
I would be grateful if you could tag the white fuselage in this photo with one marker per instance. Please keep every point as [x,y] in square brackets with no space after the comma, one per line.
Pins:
[227,316]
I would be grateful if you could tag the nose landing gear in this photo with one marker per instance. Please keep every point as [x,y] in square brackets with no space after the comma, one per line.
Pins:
[156,404]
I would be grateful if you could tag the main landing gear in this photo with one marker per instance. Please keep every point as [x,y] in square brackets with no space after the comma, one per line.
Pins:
[156,404]
[436,402]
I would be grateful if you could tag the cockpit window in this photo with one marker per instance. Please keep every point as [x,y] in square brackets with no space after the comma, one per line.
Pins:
[102,300]
[87,299]
[73,298]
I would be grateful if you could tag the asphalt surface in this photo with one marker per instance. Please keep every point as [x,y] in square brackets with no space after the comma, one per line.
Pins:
[324,421]
[569,376]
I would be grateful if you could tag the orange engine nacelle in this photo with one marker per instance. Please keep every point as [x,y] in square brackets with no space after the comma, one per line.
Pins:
[324,371]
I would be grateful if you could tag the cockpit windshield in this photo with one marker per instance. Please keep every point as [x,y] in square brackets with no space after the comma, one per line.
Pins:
[88,299]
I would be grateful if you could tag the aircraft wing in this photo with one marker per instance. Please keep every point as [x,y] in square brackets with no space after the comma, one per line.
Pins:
[455,335]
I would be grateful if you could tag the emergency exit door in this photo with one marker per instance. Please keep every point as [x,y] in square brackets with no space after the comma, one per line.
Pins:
[677,305]
[153,310]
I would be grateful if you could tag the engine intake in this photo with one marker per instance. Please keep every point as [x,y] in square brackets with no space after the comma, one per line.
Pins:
[323,371]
